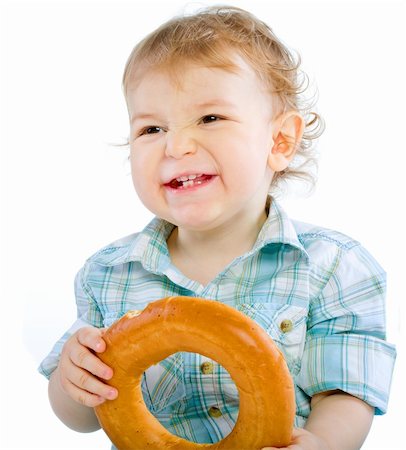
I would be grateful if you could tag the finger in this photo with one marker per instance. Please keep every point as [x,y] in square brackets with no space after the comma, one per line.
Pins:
[291,447]
[101,343]
[92,338]
[83,397]
[297,432]
[82,357]
[86,381]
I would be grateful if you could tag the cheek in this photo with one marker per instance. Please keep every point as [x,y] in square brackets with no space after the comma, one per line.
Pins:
[249,163]
[143,174]
[141,170]
[245,150]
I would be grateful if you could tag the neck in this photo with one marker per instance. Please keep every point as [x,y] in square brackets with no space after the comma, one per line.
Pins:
[218,246]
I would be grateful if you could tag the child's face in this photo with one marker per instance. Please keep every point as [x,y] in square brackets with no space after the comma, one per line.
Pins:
[216,123]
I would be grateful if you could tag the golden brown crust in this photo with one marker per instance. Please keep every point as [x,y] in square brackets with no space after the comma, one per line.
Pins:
[215,330]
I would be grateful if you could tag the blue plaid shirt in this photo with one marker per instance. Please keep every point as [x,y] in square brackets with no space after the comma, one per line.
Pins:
[318,293]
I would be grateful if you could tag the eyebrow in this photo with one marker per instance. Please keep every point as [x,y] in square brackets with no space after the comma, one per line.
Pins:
[142,116]
[215,102]
[210,103]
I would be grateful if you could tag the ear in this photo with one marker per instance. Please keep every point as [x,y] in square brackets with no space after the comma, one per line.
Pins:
[286,137]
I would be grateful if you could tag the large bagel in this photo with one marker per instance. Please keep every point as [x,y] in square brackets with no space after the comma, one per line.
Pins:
[220,332]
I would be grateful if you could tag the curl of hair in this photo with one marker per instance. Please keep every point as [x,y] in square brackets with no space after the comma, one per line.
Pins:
[205,38]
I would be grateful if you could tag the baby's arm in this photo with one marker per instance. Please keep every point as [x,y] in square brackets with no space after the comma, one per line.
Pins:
[73,387]
[338,421]
[341,420]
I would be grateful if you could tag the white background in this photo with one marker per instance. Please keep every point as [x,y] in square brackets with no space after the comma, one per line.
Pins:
[68,192]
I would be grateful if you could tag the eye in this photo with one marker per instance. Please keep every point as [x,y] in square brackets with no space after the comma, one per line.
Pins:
[150,130]
[210,118]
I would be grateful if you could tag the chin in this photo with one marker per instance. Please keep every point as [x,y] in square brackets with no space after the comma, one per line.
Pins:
[191,225]
[191,222]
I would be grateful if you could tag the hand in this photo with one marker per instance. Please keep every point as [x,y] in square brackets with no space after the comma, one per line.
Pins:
[303,440]
[79,368]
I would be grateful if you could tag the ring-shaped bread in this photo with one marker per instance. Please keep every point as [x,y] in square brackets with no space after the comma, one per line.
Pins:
[217,331]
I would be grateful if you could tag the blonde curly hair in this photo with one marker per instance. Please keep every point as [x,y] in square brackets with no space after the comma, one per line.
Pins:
[206,37]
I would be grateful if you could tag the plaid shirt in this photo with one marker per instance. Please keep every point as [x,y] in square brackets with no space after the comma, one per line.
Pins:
[318,293]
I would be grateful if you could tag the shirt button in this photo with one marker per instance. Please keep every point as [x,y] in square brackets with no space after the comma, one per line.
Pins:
[206,368]
[215,412]
[286,325]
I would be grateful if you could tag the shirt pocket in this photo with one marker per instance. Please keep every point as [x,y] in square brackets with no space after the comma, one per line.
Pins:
[163,385]
[285,324]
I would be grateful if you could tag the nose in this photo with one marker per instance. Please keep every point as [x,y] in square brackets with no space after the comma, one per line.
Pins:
[179,143]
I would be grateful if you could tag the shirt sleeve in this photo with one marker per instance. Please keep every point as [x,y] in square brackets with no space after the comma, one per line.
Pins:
[345,347]
[88,314]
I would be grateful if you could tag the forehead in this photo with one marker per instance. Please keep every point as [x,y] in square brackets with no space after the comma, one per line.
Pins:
[174,65]
[194,82]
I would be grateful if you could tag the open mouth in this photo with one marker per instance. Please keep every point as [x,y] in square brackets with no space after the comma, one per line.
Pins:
[184,184]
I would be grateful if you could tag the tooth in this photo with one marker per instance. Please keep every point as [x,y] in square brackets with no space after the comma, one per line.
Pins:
[190,177]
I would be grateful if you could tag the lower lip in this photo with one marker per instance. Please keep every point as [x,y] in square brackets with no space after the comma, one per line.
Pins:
[190,189]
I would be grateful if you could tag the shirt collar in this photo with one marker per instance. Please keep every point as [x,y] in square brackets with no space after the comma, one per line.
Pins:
[277,229]
[150,248]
